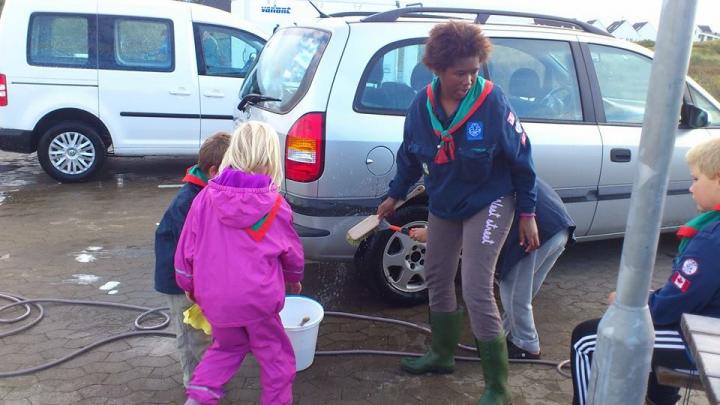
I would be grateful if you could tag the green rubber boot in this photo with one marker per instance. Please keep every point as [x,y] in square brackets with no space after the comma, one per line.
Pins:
[494,359]
[440,359]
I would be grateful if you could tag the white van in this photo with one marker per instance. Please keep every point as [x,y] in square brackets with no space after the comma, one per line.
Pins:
[83,79]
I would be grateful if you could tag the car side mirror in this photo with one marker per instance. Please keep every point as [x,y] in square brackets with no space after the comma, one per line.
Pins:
[692,116]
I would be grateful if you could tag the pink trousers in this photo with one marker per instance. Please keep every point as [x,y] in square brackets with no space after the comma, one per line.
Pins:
[268,343]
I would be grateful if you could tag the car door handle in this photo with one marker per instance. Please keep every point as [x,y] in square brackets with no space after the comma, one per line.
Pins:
[214,94]
[620,155]
[180,91]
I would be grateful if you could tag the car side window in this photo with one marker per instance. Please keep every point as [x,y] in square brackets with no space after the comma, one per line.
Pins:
[624,77]
[392,79]
[132,43]
[61,40]
[700,101]
[225,51]
[538,77]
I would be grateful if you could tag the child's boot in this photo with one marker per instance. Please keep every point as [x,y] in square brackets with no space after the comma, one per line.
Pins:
[440,359]
[494,359]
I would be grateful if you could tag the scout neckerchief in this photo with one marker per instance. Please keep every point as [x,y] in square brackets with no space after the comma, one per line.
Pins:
[687,231]
[260,228]
[469,104]
[195,176]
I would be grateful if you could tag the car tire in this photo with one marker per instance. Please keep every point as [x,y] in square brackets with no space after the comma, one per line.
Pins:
[71,152]
[393,263]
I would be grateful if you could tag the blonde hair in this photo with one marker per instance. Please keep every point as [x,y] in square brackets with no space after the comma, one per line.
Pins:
[255,148]
[705,156]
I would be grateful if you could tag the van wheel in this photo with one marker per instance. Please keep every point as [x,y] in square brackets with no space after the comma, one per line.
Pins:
[394,263]
[71,152]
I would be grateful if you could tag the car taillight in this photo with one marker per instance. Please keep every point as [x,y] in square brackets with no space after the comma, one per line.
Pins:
[305,148]
[3,91]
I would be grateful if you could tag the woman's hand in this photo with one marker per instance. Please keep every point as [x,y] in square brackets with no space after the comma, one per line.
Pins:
[386,208]
[529,237]
[293,288]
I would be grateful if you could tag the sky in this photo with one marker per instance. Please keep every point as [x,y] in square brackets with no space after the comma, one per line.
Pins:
[707,12]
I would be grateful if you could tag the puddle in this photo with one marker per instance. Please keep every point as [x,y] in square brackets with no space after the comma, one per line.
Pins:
[83,279]
[85,258]
[110,285]
[88,255]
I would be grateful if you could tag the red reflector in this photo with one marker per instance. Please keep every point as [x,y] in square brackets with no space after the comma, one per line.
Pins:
[3,91]
[304,148]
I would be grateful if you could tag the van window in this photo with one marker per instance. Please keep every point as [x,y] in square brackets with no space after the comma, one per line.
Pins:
[131,43]
[393,78]
[225,51]
[700,101]
[286,66]
[624,78]
[61,40]
[538,78]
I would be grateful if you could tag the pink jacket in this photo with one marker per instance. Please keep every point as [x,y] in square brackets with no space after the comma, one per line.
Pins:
[237,250]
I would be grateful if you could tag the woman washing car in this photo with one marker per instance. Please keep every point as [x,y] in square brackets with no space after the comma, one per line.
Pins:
[465,140]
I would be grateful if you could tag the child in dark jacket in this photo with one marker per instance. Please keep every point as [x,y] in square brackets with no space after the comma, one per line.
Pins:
[191,343]
[693,286]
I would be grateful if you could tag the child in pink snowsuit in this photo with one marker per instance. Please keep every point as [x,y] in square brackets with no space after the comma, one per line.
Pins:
[237,253]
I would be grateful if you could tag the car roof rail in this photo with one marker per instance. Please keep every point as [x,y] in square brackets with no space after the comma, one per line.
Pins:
[481,17]
[353,14]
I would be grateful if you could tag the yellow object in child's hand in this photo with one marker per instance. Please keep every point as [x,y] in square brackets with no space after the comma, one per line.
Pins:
[194,317]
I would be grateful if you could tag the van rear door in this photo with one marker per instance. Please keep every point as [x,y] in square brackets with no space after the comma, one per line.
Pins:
[148,79]
[224,57]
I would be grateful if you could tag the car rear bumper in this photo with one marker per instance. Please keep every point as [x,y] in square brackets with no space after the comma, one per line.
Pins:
[322,225]
[16,140]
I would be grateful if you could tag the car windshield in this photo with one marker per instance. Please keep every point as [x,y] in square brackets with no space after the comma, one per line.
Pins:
[286,67]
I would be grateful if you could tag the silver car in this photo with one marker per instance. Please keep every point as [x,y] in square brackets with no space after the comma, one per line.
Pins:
[337,90]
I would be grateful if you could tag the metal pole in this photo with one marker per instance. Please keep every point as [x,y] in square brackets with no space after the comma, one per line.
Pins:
[625,335]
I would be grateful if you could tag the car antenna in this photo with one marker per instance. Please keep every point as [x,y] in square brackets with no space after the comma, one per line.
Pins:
[322,15]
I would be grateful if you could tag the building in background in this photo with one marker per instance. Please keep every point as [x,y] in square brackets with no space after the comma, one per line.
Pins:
[646,31]
[705,33]
[624,30]
[598,24]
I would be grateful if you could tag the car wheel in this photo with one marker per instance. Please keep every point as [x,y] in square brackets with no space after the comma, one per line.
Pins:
[71,152]
[394,263]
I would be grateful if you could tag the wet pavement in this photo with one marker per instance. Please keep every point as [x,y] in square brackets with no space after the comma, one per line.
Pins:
[94,241]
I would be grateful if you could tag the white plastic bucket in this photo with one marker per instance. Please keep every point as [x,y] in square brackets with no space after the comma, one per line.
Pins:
[303,335]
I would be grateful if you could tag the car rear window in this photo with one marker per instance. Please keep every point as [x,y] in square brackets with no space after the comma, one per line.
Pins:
[286,67]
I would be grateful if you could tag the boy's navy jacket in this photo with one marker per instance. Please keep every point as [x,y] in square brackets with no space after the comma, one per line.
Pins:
[168,232]
[493,159]
[551,217]
[694,285]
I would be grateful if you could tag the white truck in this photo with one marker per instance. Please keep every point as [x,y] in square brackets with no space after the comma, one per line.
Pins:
[270,14]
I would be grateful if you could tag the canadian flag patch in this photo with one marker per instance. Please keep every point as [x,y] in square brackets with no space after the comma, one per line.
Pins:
[511,119]
[680,282]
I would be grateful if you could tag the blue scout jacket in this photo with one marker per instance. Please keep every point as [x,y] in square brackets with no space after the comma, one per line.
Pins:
[168,232]
[694,285]
[493,159]
[551,218]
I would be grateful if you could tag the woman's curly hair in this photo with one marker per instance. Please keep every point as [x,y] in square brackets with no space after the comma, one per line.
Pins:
[453,40]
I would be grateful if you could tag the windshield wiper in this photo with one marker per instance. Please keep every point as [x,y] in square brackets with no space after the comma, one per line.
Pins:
[252,99]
